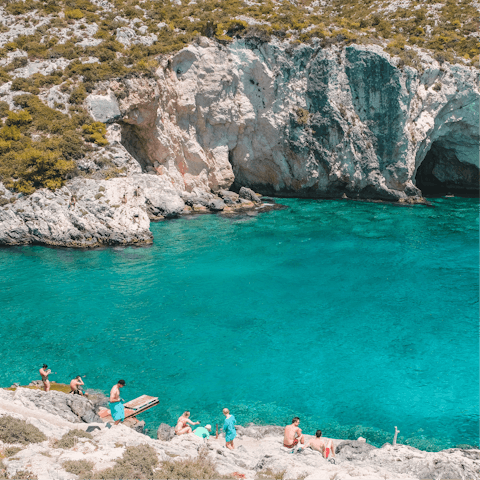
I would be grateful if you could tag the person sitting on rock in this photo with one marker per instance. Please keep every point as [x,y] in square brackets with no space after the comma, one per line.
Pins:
[76,386]
[44,373]
[322,445]
[293,434]
[182,424]
[203,432]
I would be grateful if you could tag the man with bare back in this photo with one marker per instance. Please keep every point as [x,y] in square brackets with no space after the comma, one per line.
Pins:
[322,445]
[116,407]
[76,386]
[44,373]
[293,434]
[182,424]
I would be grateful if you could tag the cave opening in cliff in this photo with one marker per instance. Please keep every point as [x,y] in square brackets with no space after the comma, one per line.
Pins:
[441,173]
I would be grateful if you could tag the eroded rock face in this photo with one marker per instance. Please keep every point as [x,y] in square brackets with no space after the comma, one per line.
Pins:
[304,121]
[73,408]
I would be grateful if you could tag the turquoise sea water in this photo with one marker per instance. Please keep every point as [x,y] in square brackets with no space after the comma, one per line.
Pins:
[354,316]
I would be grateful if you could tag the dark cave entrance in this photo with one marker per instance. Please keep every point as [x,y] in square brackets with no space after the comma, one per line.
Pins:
[441,173]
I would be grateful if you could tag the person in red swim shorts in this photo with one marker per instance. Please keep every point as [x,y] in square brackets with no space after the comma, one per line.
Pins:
[323,445]
[293,434]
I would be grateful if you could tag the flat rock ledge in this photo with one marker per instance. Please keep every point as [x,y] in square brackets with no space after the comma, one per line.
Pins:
[259,451]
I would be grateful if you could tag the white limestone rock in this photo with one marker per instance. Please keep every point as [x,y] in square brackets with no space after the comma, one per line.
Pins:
[304,121]
[103,108]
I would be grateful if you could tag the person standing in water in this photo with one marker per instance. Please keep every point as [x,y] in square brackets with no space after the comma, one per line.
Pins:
[229,428]
[182,424]
[44,373]
[116,407]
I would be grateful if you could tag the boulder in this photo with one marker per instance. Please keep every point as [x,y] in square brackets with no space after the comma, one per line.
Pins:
[216,205]
[249,194]
[229,197]
[165,432]
[354,449]
[91,417]
[103,108]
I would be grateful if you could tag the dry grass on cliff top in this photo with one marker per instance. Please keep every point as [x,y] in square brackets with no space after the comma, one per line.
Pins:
[444,27]
[14,430]
[70,439]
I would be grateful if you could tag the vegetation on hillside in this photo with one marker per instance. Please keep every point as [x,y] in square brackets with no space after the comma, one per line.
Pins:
[14,430]
[39,145]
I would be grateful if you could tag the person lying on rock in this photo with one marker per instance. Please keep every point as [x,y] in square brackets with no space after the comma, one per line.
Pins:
[322,445]
[44,373]
[293,434]
[182,424]
[76,386]
[116,407]
[229,428]
[203,432]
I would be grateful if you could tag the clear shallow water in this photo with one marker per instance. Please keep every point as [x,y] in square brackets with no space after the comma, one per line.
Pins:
[355,316]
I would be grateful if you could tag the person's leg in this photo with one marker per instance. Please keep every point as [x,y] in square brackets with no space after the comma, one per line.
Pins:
[47,386]
[229,445]
[183,431]
[302,439]
[117,422]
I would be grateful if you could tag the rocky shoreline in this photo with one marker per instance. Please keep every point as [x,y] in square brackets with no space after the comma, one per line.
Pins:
[89,213]
[259,453]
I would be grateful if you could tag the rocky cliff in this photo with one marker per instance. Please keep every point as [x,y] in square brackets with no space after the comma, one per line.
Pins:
[282,118]
[53,444]
[302,121]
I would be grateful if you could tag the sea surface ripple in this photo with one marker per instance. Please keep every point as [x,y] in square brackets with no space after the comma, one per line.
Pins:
[354,316]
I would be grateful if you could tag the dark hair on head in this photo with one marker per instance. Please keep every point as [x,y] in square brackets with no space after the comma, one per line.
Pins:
[78,376]
[45,365]
[121,382]
[295,419]
[318,433]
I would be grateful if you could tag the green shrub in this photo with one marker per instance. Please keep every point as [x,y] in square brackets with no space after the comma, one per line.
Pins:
[82,468]
[78,95]
[11,451]
[137,462]
[4,76]
[70,438]
[25,85]
[35,168]
[200,467]
[75,14]
[19,118]
[13,430]
[268,474]
[10,132]
[95,132]
[302,116]
[4,109]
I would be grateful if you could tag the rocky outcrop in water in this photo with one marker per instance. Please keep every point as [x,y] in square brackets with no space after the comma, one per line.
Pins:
[302,121]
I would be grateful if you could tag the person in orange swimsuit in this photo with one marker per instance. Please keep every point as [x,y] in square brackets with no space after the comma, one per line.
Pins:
[293,434]
[182,424]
